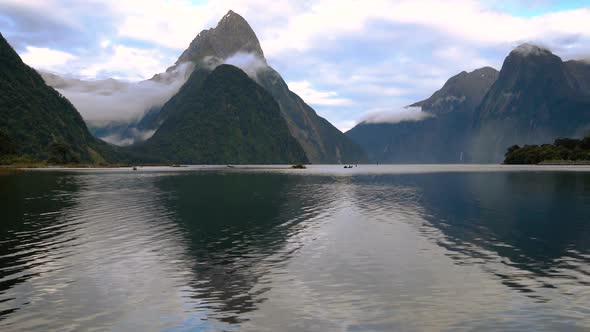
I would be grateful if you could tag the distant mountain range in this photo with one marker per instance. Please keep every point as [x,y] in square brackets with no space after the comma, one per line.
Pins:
[535,98]
[204,109]
[233,41]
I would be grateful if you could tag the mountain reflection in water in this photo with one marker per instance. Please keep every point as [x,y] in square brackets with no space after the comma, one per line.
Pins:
[282,250]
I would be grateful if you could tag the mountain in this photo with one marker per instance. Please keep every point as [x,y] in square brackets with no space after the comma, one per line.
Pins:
[462,92]
[232,35]
[580,70]
[234,38]
[37,121]
[438,138]
[225,118]
[536,99]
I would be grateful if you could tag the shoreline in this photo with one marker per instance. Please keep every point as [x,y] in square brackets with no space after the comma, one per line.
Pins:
[564,163]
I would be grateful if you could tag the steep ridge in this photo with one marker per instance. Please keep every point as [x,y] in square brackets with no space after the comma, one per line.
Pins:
[38,121]
[440,138]
[536,99]
[462,92]
[225,118]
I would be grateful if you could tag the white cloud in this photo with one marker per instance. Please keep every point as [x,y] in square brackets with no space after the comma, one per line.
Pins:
[249,63]
[465,19]
[316,97]
[118,140]
[395,116]
[345,126]
[46,58]
[138,136]
[107,101]
[172,24]
[528,49]
[406,48]
[137,63]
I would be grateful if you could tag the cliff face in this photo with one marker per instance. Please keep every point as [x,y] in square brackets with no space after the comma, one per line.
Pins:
[443,137]
[536,99]
[461,93]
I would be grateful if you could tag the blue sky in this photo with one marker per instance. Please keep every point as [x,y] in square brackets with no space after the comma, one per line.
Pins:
[345,58]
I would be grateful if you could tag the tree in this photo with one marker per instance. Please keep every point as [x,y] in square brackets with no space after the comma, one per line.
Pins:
[512,149]
[61,153]
[7,147]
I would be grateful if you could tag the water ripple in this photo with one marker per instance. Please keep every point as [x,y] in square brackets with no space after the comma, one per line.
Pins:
[275,250]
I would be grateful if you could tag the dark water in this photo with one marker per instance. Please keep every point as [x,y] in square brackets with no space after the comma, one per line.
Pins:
[321,249]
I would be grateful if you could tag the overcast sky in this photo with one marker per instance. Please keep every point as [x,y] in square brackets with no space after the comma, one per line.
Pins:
[345,58]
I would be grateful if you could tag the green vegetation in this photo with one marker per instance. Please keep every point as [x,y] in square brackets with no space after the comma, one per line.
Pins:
[562,151]
[37,123]
[228,119]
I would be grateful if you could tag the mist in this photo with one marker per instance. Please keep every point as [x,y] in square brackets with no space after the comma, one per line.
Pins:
[106,101]
[530,49]
[250,63]
[134,135]
[395,116]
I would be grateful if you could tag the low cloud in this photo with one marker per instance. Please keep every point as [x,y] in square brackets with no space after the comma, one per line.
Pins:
[105,101]
[317,97]
[395,116]
[137,136]
[250,63]
[530,49]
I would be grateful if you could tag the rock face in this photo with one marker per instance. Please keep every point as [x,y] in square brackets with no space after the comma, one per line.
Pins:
[231,35]
[321,141]
[461,93]
[536,99]
[580,71]
[441,138]
[37,120]
[223,118]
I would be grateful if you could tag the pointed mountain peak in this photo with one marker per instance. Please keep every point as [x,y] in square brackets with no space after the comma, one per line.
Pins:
[231,16]
[232,35]
[462,92]
[486,71]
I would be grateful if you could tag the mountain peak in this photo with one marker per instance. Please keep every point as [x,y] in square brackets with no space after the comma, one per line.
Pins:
[462,92]
[231,15]
[527,49]
[232,35]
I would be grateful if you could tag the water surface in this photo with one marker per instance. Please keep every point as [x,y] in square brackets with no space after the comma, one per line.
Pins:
[376,248]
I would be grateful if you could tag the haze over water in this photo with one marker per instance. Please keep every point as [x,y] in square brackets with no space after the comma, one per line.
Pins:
[376,248]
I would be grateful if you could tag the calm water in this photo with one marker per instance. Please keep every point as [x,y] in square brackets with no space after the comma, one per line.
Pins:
[383,248]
